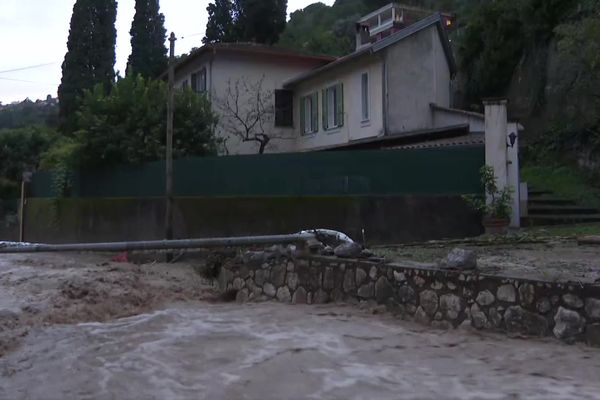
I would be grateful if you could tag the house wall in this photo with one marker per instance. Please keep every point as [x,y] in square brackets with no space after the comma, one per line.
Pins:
[353,128]
[417,74]
[224,67]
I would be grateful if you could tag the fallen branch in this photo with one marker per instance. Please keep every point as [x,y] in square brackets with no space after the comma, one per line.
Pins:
[588,240]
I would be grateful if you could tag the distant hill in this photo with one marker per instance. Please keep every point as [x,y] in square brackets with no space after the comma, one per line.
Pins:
[27,113]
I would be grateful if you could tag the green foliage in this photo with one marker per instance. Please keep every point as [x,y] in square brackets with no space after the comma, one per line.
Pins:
[490,48]
[259,21]
[148,52]
[20,151]
[496,204]
[28,113]
[128,125]
[564,180]
[90,55]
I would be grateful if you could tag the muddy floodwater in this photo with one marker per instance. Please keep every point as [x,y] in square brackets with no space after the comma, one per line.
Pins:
[190,348]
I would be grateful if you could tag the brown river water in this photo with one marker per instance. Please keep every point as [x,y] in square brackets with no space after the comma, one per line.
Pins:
[186,347]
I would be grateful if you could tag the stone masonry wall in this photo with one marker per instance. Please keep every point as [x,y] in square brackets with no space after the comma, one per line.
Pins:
[439,298]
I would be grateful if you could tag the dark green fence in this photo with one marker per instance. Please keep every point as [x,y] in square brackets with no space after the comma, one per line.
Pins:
[378,172]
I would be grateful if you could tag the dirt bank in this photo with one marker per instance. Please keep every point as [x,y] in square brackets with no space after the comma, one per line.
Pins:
[42,290]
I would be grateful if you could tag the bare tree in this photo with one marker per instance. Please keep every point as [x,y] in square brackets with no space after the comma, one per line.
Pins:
[248,111]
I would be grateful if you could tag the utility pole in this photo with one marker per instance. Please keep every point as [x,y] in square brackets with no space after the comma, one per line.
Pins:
[169,155]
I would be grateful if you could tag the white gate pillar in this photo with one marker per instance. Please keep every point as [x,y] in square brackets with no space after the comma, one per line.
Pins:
[502,151]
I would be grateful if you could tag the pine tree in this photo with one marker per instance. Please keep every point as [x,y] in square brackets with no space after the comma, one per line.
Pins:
[148,51]
[220,26]
[90,57]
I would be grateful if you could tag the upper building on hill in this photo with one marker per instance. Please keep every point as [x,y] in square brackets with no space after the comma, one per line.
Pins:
[395,88]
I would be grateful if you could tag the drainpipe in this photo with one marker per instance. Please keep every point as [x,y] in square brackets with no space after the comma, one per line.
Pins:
[384,94]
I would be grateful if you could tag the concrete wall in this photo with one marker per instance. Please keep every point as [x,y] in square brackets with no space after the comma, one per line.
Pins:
[439,298]
[385,219]
[353,128]
[453,117]
[229,66]
[417,75]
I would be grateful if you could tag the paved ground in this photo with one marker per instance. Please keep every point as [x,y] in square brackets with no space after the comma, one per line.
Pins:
[189,348]
[550,259]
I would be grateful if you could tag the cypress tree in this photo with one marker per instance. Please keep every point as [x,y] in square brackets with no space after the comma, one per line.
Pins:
[220,26]
[90,57]
[259,21]
[148,51]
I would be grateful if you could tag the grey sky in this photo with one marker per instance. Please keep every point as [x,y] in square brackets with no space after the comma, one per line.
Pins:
[35,32]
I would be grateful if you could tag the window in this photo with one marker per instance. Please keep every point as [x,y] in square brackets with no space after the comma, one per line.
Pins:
[199,81]
[333,106]
[365,96]
[185,84]
[309,114]
[284,108]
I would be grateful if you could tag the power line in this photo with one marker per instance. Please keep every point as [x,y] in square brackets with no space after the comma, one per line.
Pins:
[28,67]
[26,81]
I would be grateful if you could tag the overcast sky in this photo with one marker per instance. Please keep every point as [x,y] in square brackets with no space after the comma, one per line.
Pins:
[35,32]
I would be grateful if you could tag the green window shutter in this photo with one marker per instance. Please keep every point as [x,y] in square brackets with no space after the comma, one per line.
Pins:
[303,115]
[339,95]
[325,105]
[315,112]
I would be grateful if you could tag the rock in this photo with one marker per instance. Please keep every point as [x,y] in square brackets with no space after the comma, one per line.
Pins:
[361,275]
[373,273]
[506,293]
[527,294]
[399,276]
[407,295]
[225,277]
[524,322]
[328,279]
[451,305]
[348,250]
[421,316]
[478,318]
[283,295]
[349,284]
[555,299]
[485,298]
[460,259]
[299,296]
[269,289]
[429,301]
[592,308]
[495,317]
[337,295]
[419,281]
[543,305]
[438,316]
[292,280]
[291,266]
[320,297]
[7,315]
[278,275]
[328,251]
[568,323]
[238,283]
[572,300]
[437,285]
[242,296]
[451,286]
[383,290]
[592,335]
[260,277]
[366,290]
[396,308]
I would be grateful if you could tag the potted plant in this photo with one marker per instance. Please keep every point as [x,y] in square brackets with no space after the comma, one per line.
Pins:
[495,206]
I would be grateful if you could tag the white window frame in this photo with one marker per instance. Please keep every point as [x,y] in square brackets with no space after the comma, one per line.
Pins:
[365,97]
[309,125]
[333,95]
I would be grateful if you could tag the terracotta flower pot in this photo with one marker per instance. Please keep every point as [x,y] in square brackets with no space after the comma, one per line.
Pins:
[496,226]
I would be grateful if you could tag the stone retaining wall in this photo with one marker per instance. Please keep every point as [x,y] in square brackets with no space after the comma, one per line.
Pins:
[439,298]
